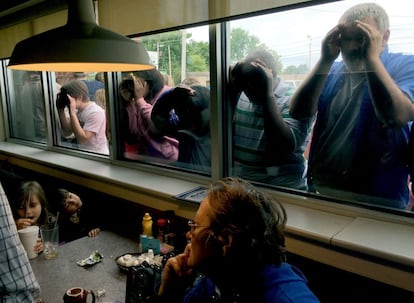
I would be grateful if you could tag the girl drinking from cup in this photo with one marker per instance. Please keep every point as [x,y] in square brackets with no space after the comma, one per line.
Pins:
[31,208]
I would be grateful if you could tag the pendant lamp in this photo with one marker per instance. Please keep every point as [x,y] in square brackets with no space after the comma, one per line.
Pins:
[80,45]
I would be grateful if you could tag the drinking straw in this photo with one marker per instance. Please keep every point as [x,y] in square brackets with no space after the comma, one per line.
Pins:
[57,217]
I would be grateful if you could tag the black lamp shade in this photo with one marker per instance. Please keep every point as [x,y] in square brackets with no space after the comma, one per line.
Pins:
[80,45]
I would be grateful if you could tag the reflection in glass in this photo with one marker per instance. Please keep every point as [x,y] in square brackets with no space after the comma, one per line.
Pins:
[28,106]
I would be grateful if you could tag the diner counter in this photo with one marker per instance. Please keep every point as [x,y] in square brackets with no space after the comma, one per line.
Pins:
[58,275]
[370,243]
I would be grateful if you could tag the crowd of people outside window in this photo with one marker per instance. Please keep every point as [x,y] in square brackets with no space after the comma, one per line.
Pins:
[343,131]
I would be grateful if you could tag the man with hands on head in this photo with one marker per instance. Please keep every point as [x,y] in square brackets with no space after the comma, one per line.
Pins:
[268,144]
[364,105]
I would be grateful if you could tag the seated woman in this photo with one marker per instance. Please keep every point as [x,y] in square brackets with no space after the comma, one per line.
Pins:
[75,220]
[236,252]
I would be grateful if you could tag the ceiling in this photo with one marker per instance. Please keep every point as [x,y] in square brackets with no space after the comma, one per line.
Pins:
[15,11]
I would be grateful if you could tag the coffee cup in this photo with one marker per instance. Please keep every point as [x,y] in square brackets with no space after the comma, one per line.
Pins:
[78,295]
[28,237]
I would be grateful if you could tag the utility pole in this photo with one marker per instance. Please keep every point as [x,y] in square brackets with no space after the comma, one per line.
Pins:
[310,52]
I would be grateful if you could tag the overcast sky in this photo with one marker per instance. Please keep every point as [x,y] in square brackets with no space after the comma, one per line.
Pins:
[296,33]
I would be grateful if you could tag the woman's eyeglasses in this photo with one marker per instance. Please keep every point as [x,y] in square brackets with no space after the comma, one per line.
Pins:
[192,226]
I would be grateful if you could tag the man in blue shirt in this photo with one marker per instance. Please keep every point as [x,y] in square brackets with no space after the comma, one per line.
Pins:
[364,105]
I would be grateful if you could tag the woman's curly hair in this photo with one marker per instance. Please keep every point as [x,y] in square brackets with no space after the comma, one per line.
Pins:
[255,220]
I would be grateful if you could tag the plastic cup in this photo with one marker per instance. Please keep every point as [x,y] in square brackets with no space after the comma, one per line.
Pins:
[50,238]
[28,237]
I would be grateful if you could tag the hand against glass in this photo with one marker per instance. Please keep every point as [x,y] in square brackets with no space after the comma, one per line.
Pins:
[72,104]
[331,44]
[374,40]
[235,74]
[140,87]
[257,81]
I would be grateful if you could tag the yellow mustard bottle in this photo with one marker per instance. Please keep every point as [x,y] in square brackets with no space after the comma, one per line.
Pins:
[147,225]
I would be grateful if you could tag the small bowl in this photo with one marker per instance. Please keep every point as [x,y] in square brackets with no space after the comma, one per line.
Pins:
[125,267]
[162,259]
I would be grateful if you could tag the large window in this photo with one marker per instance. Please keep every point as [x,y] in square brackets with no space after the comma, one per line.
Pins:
[163,117]
[80,111]
[352,156]
[167,120]
[27,113]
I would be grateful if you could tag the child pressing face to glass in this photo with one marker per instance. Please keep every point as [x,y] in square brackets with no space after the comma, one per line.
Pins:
[32,208]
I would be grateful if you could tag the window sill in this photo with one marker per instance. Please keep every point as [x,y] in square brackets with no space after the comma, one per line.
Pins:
[372,245]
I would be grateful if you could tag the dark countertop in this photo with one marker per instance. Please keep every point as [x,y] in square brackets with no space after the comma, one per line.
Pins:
[57,275]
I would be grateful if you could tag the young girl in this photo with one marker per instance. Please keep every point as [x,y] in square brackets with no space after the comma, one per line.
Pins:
[75,221]
[32,208]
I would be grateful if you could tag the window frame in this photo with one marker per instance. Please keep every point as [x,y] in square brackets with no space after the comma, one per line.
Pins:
[221,141]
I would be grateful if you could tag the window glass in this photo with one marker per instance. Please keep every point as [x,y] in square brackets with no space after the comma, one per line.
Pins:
[162,116]
[351,147]
[164,113]
[80,110]
[27,106]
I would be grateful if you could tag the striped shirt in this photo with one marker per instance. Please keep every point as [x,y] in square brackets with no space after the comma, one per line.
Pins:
[251,142]
[17,280]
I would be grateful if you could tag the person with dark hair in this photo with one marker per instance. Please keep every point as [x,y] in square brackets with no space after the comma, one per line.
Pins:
[236,252]
[32,208]
[364,107]
[100,77]
[18,282]
[87,120]
[190,81]
[76,220]
[139,92]
[191,108]
[268,144]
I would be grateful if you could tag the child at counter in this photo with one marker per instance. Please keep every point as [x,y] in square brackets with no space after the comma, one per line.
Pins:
[31,208]
[75,220]
[18,282]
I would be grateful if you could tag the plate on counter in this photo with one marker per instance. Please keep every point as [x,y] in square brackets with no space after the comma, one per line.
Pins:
[128,260]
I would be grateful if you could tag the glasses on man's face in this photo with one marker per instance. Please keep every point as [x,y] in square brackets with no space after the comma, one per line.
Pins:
[192,226]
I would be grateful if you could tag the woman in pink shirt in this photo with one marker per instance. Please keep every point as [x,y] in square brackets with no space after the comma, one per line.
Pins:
[140,92]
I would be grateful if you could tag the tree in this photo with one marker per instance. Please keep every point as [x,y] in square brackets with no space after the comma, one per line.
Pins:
[168,47]
[198,56]
[242,43]
[300,69]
